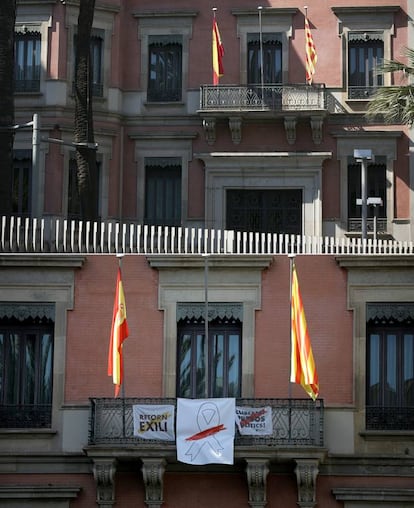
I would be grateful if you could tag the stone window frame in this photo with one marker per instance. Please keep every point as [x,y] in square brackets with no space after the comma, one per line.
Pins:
[30,279]
[365,19]
[274,21]
[231,279]
[153,23]
[382,144]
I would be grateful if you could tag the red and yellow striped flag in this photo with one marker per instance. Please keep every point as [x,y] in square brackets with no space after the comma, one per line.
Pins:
[311,56]
[119,332]
[303,369]
[218,53]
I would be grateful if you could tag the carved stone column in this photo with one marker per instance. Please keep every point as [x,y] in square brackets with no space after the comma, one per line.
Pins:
[257,470]
[104,474]
[153,475]
[306,473]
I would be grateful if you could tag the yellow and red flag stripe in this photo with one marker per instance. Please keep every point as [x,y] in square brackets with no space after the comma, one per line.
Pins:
[119,332]
[218,53]
[311,56]
[303,369]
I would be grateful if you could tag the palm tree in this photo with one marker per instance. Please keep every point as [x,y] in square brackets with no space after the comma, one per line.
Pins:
[396,103]
[84,133]
[7,21]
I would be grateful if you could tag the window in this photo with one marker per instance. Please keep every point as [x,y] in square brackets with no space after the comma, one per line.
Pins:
[163,191]
[21,182]
[272,59]
[365,54]
[164,68]
[96,62]
[74,211]
[27,61]
[223,358]
[390,367]
[376,187]
[26,372]
[264,211]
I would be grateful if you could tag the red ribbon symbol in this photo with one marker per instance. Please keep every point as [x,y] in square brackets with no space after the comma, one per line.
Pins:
[208,421]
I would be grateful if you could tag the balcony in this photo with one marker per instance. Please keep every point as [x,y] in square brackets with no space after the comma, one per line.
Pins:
[238,102]
[297,441]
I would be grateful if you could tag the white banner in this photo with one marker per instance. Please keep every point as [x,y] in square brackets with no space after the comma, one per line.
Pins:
[254,420]
[205,431]
[154,422]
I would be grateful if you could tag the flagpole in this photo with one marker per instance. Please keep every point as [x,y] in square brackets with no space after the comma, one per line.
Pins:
[206,376]
[306,17]
[214,9]
[291,261]
[260,8]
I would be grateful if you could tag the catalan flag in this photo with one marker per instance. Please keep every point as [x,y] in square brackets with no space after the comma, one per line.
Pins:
[218,53]
[311,56]
[119,332]
[303,369]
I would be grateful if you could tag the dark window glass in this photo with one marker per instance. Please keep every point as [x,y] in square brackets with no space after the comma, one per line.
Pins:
[364,58]
[27,62]
[224,359]
[164,69]
[26,373]
[376,188]
[163,194]
[21,183]
[272,59]
[265,211]
[390,374]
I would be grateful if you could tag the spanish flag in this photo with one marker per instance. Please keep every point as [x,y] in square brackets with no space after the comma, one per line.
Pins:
[119,332]
[218,53]
[311,56]
[303,370]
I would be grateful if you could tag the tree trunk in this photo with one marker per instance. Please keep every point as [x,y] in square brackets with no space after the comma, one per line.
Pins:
[85,157]
[7,22]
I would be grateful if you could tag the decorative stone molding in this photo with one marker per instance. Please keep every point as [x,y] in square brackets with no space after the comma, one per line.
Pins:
[257,471]
[153,475]
[290,128]
[316,126]
[380,497]
[104,474]
[235,124]
[306,473]
[209,125]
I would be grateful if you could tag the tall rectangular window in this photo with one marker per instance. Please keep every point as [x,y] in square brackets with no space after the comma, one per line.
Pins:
[21,182]
[365,55]
[272,59]
[164,68]
[223,359]
[27,61]
[163,191]
[390,367]
[26,372]
[376,188]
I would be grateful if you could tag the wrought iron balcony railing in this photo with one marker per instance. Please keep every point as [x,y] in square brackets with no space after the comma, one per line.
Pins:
[296,422]
[25,416]
[380,225]
[267,97]
[361,92]
[389,418]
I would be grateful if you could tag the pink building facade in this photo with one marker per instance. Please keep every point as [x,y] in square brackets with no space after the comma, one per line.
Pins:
[205,191]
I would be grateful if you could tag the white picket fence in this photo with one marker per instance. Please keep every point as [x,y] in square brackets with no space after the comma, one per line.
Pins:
[51,235]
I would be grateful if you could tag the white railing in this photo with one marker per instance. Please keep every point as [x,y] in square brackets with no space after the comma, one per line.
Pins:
[25,235]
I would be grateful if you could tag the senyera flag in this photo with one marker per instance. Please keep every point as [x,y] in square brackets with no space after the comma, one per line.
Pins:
[303,369]
[119,332]
[218,53]
[311,56]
